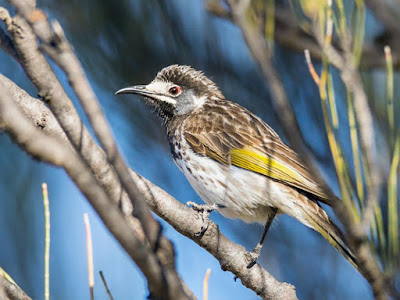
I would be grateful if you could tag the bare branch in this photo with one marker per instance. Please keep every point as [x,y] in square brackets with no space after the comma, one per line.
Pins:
[106,286]
[232,257]
[11,290]
[50,90]
[57,47]
[57,153]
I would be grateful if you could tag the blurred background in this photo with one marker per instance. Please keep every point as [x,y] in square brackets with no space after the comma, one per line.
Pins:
[121,43]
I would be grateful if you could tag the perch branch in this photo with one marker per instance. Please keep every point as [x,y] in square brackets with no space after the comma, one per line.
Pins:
[31,139]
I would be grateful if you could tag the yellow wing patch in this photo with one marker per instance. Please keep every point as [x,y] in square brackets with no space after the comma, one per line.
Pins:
[251,160]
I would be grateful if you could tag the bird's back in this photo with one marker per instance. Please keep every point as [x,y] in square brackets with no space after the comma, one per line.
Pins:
[233,136]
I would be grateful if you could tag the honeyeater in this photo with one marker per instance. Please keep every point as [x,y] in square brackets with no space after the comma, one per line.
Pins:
[233,159]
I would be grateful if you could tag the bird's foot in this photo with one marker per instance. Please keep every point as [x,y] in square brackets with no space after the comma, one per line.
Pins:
[254,255]
[205,210]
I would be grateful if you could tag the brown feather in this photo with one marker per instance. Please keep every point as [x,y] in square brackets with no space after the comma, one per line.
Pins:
[234,127]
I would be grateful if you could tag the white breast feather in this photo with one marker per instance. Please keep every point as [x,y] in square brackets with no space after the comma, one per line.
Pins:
[246,195]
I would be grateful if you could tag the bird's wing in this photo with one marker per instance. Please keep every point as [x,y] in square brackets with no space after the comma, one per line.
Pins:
[252,145]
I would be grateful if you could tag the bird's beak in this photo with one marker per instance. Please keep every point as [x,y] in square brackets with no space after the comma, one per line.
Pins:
[144,91]
[136,89]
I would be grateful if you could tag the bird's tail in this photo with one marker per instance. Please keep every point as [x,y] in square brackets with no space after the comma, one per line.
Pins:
[320,221]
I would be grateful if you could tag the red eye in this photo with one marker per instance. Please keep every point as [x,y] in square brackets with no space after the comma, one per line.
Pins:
[175,90]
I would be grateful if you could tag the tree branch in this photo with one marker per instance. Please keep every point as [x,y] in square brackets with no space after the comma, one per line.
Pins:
[11,291]
[56,46]
[58,153]
[50,90]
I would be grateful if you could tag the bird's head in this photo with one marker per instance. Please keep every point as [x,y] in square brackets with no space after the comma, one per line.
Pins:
[176,90]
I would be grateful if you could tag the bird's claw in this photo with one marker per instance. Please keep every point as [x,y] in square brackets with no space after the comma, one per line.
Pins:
[253,256]
[205,210]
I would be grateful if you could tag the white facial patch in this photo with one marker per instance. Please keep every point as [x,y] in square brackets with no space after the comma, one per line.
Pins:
[199,101]
[188,102]
[159,88]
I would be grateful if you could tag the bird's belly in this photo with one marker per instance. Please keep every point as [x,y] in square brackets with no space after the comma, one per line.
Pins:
[244,194]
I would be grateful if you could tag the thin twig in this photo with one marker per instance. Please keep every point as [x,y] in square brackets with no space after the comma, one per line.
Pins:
[105,285]
[389,92]
[205,284]
[311,68]
[89,254]
[46,241]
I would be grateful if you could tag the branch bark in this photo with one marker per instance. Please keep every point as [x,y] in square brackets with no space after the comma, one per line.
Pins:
[56,152]
[50,90]
[56,46]
[11,291]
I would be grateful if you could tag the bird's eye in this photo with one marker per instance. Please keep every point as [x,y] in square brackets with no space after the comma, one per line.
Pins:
[175,90]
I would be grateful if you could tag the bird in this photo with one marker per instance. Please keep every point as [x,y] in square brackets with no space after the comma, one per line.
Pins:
[235,162]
